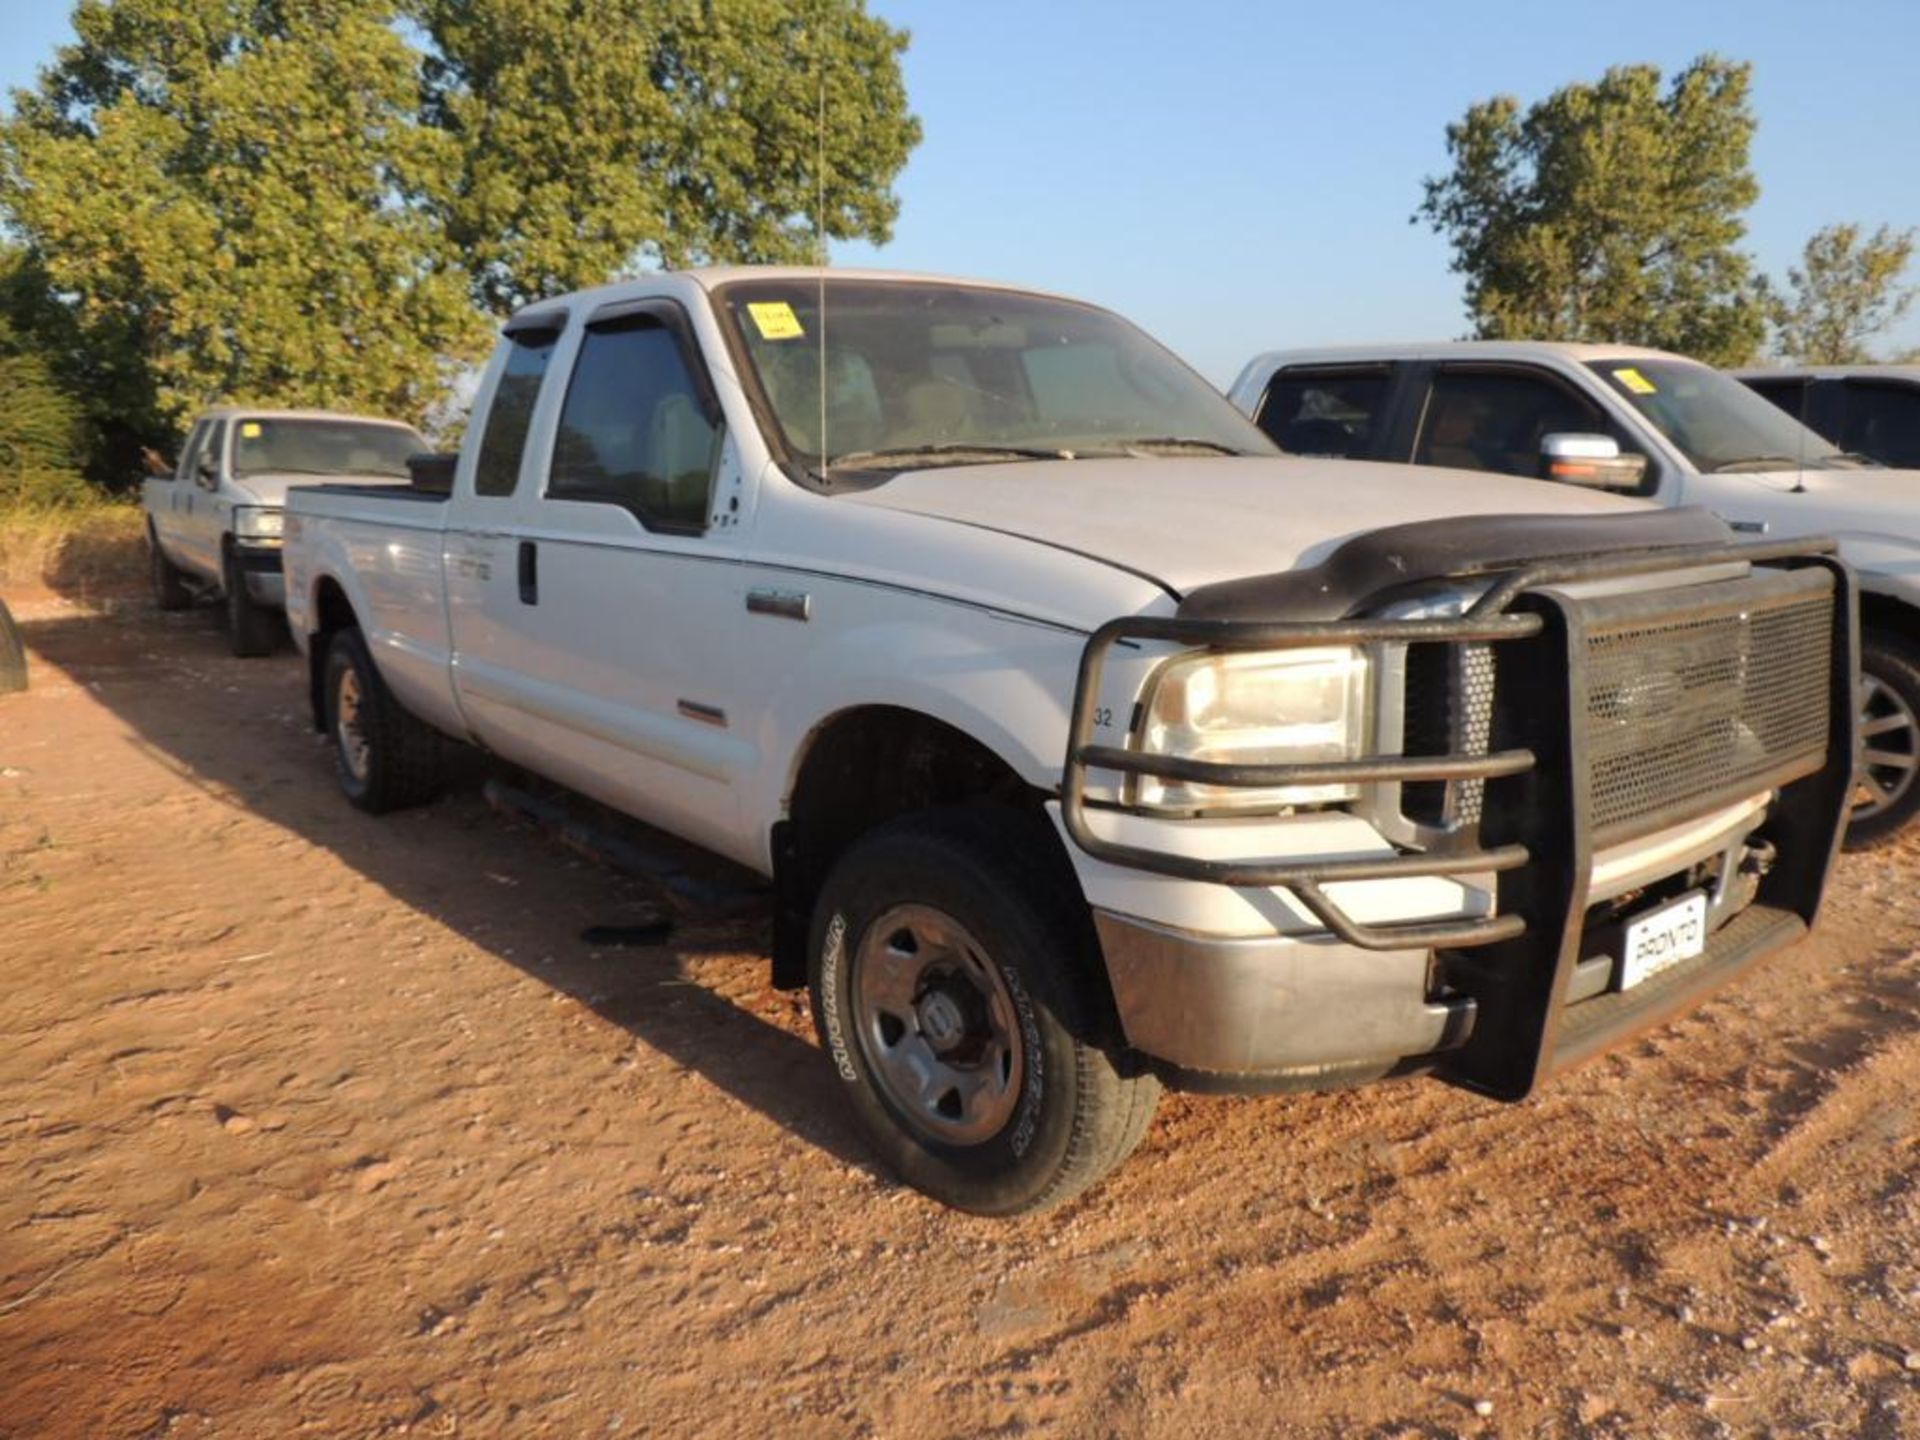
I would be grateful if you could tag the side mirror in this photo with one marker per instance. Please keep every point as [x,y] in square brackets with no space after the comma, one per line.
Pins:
[432,470]
[207,472]
[1593,460]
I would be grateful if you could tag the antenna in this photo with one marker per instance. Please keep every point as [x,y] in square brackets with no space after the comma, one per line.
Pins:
[820,248]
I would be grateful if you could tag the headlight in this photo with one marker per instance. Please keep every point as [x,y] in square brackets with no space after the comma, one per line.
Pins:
[1254,708]
[251,522]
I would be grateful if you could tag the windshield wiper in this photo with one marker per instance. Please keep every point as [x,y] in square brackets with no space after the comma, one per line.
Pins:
[1180,442]
[1748,462]
[957,451]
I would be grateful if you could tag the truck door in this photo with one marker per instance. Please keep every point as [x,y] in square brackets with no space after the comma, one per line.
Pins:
[490,493]
[1494,417]
[189,498]
[207,519]
[629,596]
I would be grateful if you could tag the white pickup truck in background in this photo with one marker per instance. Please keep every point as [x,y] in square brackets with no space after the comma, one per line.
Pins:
[1651,424]
[1089,743]
[213,526]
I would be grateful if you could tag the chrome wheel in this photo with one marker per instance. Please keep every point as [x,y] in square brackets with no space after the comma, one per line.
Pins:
[1890,748]
[349,725]
[938,1025]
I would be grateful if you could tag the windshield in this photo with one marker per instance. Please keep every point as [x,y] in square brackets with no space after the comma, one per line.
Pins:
[323,447]
[1718,423]
[922,372]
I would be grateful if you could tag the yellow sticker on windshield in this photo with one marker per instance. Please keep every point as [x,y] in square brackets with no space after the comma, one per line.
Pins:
[250,430]
[1634,381]
[774,319]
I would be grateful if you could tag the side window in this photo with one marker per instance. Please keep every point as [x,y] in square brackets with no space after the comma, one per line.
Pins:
[497,470]
[1883,421]
[190,453]
[632,431]
[1496,420]
[1319,412]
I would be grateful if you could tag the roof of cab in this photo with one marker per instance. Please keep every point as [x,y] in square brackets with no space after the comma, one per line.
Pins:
[266,412]
[1469,349]
[712,277]
[1830,372]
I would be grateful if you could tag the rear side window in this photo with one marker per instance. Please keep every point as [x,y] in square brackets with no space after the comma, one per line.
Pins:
[190,457]
[1310,412]
[497,470]
[1790,394]
[1496,421]
[1883,421]
[632,430]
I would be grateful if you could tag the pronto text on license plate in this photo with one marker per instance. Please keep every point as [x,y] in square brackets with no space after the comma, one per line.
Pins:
[1665,937]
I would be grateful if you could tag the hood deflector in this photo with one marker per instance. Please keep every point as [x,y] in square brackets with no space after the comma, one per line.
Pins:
[1381,560]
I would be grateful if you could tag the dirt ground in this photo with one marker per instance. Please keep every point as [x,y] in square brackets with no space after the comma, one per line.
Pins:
[312,1123]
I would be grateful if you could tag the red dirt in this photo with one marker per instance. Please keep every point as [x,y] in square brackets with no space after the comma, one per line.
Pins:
[314,1123]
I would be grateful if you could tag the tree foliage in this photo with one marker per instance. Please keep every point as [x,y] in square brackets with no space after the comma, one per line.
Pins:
[1609,211]
[599,135]
[1846,290]
[41,428]
[320,202]
[224,196]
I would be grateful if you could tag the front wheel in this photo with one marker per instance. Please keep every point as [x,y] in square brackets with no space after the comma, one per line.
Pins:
[385,758]
[1886,794]
[252,628]
[956,989]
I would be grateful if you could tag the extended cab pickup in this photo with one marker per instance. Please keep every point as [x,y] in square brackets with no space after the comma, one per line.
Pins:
[1089,743]
[1652,424]
[213,526]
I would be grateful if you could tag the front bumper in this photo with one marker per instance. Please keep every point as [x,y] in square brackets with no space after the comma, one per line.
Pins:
[1502,997]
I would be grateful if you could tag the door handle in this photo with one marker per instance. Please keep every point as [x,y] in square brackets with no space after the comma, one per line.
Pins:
[789,604]
[529,574]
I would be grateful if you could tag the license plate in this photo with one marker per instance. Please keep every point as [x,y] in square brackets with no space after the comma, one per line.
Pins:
[1665,937]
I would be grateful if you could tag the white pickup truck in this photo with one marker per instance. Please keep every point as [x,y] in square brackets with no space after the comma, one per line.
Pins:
[213,526]
[1648,423]
[1090,744]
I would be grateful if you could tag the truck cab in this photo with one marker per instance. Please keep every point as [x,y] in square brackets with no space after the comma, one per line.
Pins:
[214,523]
[1649,424]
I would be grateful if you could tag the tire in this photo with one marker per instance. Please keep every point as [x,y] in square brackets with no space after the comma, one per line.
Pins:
[170,590]
[1888,792]
[252,628]
[13,654]
[384,757]
[939,941]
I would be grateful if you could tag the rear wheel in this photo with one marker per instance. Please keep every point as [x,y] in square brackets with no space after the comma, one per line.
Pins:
[252,628]
[956,989]
[384,757]
[170,590]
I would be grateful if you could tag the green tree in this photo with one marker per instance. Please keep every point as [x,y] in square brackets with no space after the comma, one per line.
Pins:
[600,136]
[1845,291]
[222,197]
[42,435]
[1609,212]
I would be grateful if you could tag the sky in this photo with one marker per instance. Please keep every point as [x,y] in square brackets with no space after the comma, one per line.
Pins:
[1239,177]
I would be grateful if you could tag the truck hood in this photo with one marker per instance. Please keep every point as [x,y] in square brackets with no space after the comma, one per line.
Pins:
[1191,522]
[270,487]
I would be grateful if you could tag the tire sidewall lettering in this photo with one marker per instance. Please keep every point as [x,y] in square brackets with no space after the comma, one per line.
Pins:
[833,952]
[1026,1120]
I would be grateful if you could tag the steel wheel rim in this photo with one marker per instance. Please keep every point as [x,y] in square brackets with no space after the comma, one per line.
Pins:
[1890,749]
[349,725]
[937,1025]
